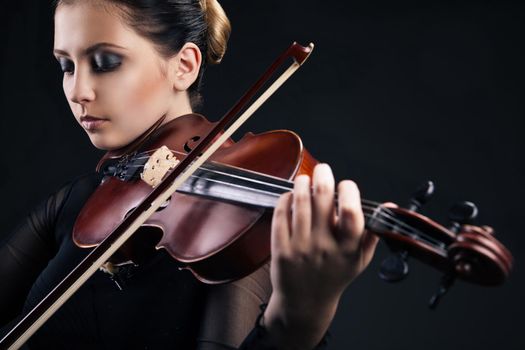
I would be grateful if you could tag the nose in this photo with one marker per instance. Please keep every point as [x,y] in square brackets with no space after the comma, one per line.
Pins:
[82,90]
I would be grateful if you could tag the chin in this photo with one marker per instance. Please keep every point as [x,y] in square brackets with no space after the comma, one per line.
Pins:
[103,143]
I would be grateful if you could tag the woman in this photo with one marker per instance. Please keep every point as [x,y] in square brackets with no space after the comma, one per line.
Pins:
[126,65]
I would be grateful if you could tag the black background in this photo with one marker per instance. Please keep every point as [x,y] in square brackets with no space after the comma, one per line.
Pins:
[394,94]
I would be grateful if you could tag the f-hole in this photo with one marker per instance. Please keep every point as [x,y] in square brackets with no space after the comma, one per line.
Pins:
[187,147]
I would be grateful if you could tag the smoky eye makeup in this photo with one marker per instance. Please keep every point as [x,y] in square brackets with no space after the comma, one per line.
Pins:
[105,61]
[66,65]
[100,62]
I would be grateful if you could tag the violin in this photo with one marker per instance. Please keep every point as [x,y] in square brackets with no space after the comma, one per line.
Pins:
[187,187]
[217,224]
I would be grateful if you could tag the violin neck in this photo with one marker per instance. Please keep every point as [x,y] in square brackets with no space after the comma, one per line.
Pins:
[230,184]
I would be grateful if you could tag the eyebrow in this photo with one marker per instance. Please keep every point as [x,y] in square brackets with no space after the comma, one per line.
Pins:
[90,49]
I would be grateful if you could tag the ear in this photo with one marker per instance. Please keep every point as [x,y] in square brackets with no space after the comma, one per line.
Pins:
[185,66]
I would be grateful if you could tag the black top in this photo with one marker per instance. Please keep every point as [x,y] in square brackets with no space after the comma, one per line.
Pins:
[159,307]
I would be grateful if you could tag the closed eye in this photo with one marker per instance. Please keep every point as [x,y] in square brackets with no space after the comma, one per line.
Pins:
[105,62]
[66,65]
[101,62]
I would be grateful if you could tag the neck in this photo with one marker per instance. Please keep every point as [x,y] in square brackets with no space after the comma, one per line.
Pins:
[180,106]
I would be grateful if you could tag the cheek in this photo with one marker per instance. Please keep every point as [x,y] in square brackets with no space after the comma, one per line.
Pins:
[139,96]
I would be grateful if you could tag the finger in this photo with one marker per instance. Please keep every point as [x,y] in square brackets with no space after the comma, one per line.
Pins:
[351,221]
[302,212]
[280,238]
[323,198]
[368,246]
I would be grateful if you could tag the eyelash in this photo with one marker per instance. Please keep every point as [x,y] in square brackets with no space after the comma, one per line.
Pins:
[64,62]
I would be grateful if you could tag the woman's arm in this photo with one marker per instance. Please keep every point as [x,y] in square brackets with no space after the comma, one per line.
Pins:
[232,309]
[25,253]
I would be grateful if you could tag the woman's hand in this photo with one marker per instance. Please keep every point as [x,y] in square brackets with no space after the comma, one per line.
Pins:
[316,252]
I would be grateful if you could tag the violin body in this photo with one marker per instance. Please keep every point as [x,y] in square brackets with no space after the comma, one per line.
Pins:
[218,241]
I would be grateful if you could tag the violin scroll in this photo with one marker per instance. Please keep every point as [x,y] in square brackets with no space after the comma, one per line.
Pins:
[478,257]
[461,251]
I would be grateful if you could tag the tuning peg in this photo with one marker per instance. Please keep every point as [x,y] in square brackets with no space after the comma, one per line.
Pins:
[446,283]
[421,196]
[462,213]
[395,267]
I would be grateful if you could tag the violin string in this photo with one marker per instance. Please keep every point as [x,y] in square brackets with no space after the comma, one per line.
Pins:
[400,226]
[370,211]
[247,188]
[428,240]
[287,188]
[269,184]
[385,211]
[384,218]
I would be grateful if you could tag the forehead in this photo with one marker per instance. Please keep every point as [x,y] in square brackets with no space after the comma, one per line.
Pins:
[86,23]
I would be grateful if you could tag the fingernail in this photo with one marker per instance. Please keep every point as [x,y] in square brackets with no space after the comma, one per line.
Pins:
[324,168]
[302,179]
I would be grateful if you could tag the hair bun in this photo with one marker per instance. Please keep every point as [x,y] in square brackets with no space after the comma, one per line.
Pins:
[219,29]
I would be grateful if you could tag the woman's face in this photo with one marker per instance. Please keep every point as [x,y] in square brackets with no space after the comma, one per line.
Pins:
[114,80]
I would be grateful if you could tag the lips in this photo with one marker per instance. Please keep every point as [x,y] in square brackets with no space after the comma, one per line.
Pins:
[91,123]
